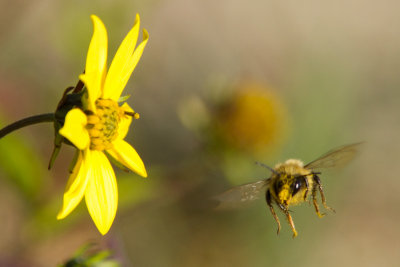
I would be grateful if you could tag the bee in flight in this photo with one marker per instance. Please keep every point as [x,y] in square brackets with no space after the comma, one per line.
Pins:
[291,183]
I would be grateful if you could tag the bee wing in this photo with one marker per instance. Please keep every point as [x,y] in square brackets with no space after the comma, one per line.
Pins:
[241,194]
[336,157]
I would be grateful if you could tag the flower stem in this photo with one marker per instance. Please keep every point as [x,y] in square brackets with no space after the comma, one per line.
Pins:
[48,117]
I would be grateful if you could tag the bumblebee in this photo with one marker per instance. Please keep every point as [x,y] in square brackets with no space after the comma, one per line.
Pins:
[290,183]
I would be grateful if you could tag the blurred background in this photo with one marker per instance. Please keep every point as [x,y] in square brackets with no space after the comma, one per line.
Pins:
[221,84]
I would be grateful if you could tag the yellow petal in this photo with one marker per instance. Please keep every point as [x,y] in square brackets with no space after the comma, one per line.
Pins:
[122,70]
[127,155]
[123,125]
[74,129]
[101,192]
[119,65]
[96,61]
[76,187]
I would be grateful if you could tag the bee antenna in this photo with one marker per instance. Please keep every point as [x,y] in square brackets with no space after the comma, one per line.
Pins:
[266,166]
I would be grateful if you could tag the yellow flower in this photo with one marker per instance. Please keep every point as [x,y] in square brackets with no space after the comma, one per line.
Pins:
[98,129]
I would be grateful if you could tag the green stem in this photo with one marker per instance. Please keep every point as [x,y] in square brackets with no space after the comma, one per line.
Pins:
[48,117]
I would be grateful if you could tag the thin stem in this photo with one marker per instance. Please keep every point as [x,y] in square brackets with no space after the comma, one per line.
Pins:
[48,117]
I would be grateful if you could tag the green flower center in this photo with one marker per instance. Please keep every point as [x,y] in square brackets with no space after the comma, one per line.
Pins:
[103,125]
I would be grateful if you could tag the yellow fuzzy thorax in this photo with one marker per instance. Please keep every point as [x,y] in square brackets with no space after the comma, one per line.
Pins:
[291,167]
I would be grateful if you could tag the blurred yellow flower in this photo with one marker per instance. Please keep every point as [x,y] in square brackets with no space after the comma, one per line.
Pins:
[252,119]
[98,129]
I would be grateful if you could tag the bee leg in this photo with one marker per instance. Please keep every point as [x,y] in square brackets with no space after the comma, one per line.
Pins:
[269,202]
[307,188]
[314,197]
[318,182]
[291,223]
[289,218]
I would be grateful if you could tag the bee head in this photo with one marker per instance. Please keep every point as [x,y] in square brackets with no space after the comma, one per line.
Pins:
[288,187]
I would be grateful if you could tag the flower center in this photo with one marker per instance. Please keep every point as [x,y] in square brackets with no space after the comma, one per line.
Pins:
[103,125]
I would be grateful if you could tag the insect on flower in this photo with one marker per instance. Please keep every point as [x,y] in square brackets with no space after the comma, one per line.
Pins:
[291,183]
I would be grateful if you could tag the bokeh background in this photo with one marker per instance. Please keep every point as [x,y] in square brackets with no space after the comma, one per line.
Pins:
[221,84]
